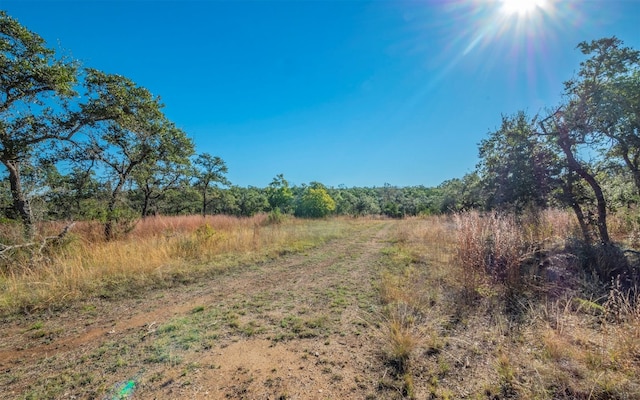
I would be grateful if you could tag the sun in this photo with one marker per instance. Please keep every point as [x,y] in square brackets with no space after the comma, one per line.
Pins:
[521,7]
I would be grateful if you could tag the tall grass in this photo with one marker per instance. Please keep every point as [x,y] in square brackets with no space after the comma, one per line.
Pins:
[559,344]
[159,251]
[504,248]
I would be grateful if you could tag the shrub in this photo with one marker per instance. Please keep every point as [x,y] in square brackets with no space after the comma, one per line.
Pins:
[275,217]
[315,203]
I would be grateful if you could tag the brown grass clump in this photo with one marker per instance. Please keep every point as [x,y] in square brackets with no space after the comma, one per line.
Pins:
[503,248]
[159,251]
[490,247]
[561,344]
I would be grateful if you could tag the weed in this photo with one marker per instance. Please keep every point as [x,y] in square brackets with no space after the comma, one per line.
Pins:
[197,309]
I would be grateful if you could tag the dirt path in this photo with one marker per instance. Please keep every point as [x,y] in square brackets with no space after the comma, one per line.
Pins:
[300,327]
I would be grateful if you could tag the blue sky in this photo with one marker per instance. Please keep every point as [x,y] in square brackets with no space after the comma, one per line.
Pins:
[359,93]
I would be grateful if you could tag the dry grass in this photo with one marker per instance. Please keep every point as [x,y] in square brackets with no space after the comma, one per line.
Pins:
[159,251]
[505,249]
[563,346]
[410,290]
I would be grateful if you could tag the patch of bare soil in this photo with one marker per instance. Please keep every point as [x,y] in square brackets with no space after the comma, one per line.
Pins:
[299,327]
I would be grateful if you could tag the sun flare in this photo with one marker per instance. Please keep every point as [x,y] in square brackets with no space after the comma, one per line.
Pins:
[521,7]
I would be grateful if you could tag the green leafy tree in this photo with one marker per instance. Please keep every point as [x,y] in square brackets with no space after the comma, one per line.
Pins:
[181,200]
[599,115]
[132,134]
[393,201]
[516,168]
[345,201]
[82,196]
[457,194]
[154,180]
[224,201]
[315,202]
[604,101]
[280,195]
[209,172]
[34,87]
[366,203]
[250,201]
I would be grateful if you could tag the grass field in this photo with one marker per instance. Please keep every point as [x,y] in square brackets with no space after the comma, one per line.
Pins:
[338,308]
[159,252]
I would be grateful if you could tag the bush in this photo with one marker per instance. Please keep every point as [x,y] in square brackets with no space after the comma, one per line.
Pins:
[275,217]
[315,203]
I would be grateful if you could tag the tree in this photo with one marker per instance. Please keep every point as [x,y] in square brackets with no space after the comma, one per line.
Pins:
[366,203]
[130,133]
[85,196]
[516,168]
[392,201]
[601,114]
[605,101]
[250,201]
[153,180]
[315,202]
[280,195]
[181,200]
[564,130]
[34,87]
[210,170]
[345,201]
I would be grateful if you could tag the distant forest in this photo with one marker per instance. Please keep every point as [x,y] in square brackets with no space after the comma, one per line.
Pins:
[80,144]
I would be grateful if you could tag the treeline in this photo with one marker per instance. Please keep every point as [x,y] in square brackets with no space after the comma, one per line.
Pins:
[80,144]
[77,143]
[82,195]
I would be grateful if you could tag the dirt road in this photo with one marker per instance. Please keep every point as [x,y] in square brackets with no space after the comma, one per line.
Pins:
[299,327]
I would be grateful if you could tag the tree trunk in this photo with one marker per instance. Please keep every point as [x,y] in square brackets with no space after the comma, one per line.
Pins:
[145,202]
[111,209]
[575,206]
[633,167]
[575,166]
[204,201]
[20,203]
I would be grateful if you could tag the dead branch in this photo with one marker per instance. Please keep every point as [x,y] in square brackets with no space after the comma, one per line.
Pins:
[7,249]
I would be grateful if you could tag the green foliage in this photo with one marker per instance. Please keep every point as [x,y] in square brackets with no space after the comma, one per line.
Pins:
[392,209]
[516,168]
[35,85]
[279,194]
[154,180]
[209,171]
[182,200]
[275,217]
[315,203]
[366,204]
[457,195]
[598,116]
[135,136]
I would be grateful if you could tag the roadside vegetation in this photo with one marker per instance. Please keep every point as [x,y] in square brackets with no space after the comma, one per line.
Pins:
[158,252]
[487,306]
